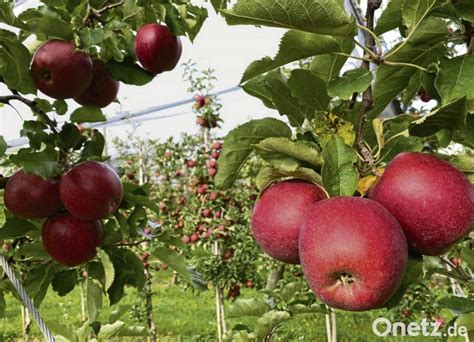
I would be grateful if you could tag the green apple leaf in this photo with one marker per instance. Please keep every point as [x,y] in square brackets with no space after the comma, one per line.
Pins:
[109,270]
[353,81]
[269,322]
[64,282]
[315,16]
[44,164]
[340,177]
[7,16]
[453,79]
[129,72]
[296,45]
[55,27]
[391,17]
[69,136]
[238,146]
[465,135]
[269,175]
[88,114]
[94,148]
[465,9]
[328,66]
[38,279]
[309,90]
[256,87]
[93,298]
[3,146]
[15,62]
[288,155]
[451,116]
[108,331]
[15,228]
[457,304]
[254,307]
[60,106]
[414,11]
[413,274]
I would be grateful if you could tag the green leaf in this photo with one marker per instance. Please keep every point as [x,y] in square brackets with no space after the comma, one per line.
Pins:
[315,16]
[60,106]
[109,270]
[309,90]
[15,228]
[69,135]
[294,45]
[44,164]
[463,161]
[88,114]
[458,304]
[328,66]
[64,282]
[391,17]
[94,299]
[173,260]
[255,307]
[465,9]
[238,146]
[94,148]
[91,36]
[3,146]
[286,154]
[454,79]
[414,11]
[451,116]
[256,87]
[38,279]
[289,291]
[15,63]
[55,27]
[353,81]
[269,175]
[285,102]
[129,72]
[340,177]
[413,274]
[7,16]
[269,322]
[108,331]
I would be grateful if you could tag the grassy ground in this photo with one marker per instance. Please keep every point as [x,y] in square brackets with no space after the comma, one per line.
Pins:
[184,316]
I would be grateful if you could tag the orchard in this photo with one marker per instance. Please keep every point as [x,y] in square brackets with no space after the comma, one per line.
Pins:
[345,213]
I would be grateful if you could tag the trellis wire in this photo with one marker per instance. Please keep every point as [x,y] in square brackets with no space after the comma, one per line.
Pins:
[26,299]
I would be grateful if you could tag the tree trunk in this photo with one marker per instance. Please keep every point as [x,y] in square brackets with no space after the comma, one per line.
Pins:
[274,277]
[149,307]
[220,308]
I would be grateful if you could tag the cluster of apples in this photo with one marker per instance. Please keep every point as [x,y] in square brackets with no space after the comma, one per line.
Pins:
[353,250]
[72,205]
[60,71]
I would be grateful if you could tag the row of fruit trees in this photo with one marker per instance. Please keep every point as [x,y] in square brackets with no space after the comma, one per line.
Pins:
[376,207]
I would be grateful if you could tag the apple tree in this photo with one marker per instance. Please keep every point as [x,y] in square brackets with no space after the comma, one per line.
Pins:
[377,111]
[70,220]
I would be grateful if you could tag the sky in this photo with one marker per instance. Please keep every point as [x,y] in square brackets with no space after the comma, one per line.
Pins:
[227,49]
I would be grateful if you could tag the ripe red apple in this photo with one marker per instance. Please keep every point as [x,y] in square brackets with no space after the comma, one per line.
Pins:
[202,188]
[424,96]
[217,145]
[164,266]
[194,237]
[353,253]
[32,197]
[69,240]
[60,71]
[200,101]
[186,239]
[249,283]
[213,195]
[157,49]
[103,89]
[212,163]
[206,213]
[203,122]
[5,247]
[212,171]
[191,163]
[431,199]
[279,214]
[218,214]
[215,155]
[91,191]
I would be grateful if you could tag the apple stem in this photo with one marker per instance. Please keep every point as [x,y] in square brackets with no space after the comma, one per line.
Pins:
[367,98]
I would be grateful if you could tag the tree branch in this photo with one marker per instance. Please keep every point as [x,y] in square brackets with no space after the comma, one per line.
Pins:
[34,107]
[109,7]
[367,99]
[469,32]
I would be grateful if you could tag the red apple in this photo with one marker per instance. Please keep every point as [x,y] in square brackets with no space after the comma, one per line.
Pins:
[32,197]
[217,145]
[91,191]
[186,239]
[202,188]
[168,154]
[60,71]
[279,214]
[215,155]
[200,101]
[164,266]
[194,237]
[211,171]
[213,195]
[212,163]
[103,89]
[157,49]
[69,240]
[203,122]
[249,283]
[206,213]
[353,253]
[191,163]
[431,199]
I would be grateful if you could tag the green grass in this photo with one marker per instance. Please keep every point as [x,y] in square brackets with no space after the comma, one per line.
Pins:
[186,316]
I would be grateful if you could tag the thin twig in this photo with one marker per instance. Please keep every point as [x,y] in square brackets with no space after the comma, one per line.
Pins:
[109,7]
[401,64]
[367,99]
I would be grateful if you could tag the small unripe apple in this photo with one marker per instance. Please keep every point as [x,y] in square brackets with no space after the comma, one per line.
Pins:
[60,71]
[353,253]
[431,199]
[279,214]
[103,89]
[69,240]
[32,197]
[157,48]
[91,191]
